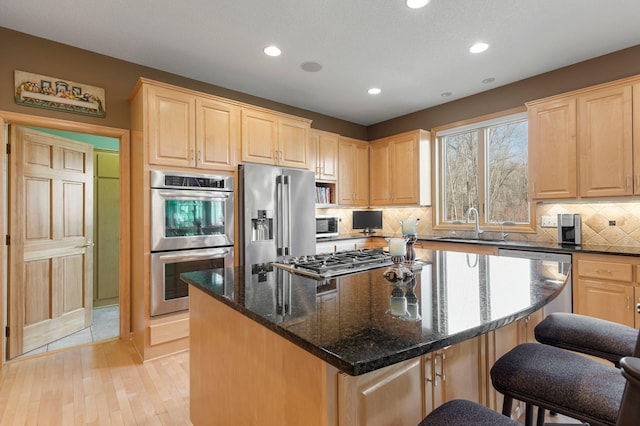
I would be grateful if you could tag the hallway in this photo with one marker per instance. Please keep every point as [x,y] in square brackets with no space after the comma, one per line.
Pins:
[105,326]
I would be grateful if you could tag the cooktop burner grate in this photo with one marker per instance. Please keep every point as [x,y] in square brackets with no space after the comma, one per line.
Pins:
[339,263]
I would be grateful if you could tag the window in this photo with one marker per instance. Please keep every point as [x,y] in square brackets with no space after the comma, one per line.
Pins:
[484,165]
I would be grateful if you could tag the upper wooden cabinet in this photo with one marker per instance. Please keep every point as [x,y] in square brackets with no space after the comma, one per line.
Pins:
[274,139]
[171,126]
[217,133]
[552,149]
[582,144]
[323,155]
[605,142]
[400,168]
[353,174]
[185,130]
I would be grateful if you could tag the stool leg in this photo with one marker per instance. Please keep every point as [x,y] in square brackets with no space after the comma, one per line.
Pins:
[528,415]
[506,406]
[540,421]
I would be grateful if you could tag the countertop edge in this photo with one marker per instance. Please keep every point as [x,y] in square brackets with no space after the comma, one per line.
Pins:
[359,368]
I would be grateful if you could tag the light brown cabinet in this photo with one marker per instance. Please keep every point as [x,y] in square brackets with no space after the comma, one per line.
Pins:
[605,142]
[454,372]
[353,174]
[582,144]
[398,165]
[217,134]
[274,139]
[606,287]
[393,395]
[552,149]
[323,155]
[188,131]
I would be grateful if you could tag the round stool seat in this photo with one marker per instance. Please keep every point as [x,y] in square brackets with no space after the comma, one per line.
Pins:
[460,412]
[560,381]
[593,336]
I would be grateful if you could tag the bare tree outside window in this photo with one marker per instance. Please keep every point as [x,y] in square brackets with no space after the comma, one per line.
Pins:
[460,164]
[507,195]
[486,166]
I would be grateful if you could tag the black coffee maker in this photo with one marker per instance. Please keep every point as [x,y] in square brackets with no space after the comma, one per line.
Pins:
[569,229]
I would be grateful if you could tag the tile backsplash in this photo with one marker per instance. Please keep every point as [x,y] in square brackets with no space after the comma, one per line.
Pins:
[608,223]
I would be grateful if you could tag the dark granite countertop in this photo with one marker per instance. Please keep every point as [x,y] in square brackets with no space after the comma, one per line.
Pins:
[346,321]
[511,244]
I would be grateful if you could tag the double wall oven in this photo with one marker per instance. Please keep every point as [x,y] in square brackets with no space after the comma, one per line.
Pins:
[191,230]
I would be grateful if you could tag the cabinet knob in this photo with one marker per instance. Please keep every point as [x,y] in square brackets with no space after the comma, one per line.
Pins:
[628,181]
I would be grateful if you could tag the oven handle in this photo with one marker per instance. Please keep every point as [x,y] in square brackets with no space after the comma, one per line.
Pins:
[194,195]
[189,257]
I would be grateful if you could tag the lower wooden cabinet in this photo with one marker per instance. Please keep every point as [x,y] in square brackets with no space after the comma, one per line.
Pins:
[606,287]
[454,372]
[390,396]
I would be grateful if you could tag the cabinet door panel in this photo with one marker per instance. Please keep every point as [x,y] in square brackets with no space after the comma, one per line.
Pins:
[405,168]
[216,134]
[328,158]
[391,396]
[552,149]
[293,140]
[380,181]
[636,137]
[605,300]
[259,137]
[346,183]
[171,127]
[353,178]
[605,142]
[362,174]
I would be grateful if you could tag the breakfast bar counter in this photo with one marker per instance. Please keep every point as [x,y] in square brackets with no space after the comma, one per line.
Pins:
[273,347]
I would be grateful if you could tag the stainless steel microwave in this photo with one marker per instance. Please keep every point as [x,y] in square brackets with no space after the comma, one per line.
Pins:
[327,226]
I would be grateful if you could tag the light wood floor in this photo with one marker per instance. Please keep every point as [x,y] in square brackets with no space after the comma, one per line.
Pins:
[98,384]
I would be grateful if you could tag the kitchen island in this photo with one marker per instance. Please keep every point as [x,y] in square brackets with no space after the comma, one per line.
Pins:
[270,347]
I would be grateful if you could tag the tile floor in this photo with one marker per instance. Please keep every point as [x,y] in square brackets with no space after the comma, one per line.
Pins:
[105,326]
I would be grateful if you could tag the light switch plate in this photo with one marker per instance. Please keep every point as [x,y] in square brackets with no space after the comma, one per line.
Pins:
[549,221]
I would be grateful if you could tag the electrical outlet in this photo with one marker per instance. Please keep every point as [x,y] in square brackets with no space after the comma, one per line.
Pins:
[549,221]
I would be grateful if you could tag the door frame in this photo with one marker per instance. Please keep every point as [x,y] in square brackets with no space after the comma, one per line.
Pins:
[12,118]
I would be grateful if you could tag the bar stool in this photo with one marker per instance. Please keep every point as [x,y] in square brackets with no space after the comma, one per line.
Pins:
[464,413]
[592,336]
[460,412]
[559,381]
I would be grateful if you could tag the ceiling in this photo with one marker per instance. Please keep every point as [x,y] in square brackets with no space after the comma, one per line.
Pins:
[412,55]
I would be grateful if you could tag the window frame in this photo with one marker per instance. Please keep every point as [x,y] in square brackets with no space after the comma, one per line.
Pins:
[468,125]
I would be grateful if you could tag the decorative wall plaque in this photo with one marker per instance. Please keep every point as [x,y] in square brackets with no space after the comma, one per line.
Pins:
[42,91]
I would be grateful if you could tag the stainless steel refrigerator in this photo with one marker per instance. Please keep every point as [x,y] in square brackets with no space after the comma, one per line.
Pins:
[276,213]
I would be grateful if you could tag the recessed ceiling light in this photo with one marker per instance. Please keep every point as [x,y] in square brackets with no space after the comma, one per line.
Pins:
[311,66]
[374,91]
[272,51]
[488,80]
[417,4]
[446,94]
[478,47]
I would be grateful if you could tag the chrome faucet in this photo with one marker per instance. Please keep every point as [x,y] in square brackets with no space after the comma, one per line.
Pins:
[478,231]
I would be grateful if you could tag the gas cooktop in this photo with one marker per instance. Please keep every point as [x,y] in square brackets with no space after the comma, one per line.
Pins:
[333,264]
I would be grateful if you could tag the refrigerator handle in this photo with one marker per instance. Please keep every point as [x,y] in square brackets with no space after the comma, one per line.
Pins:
[287,218]
[279,217]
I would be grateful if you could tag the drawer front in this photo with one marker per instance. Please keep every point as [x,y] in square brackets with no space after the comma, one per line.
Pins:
[605,270]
